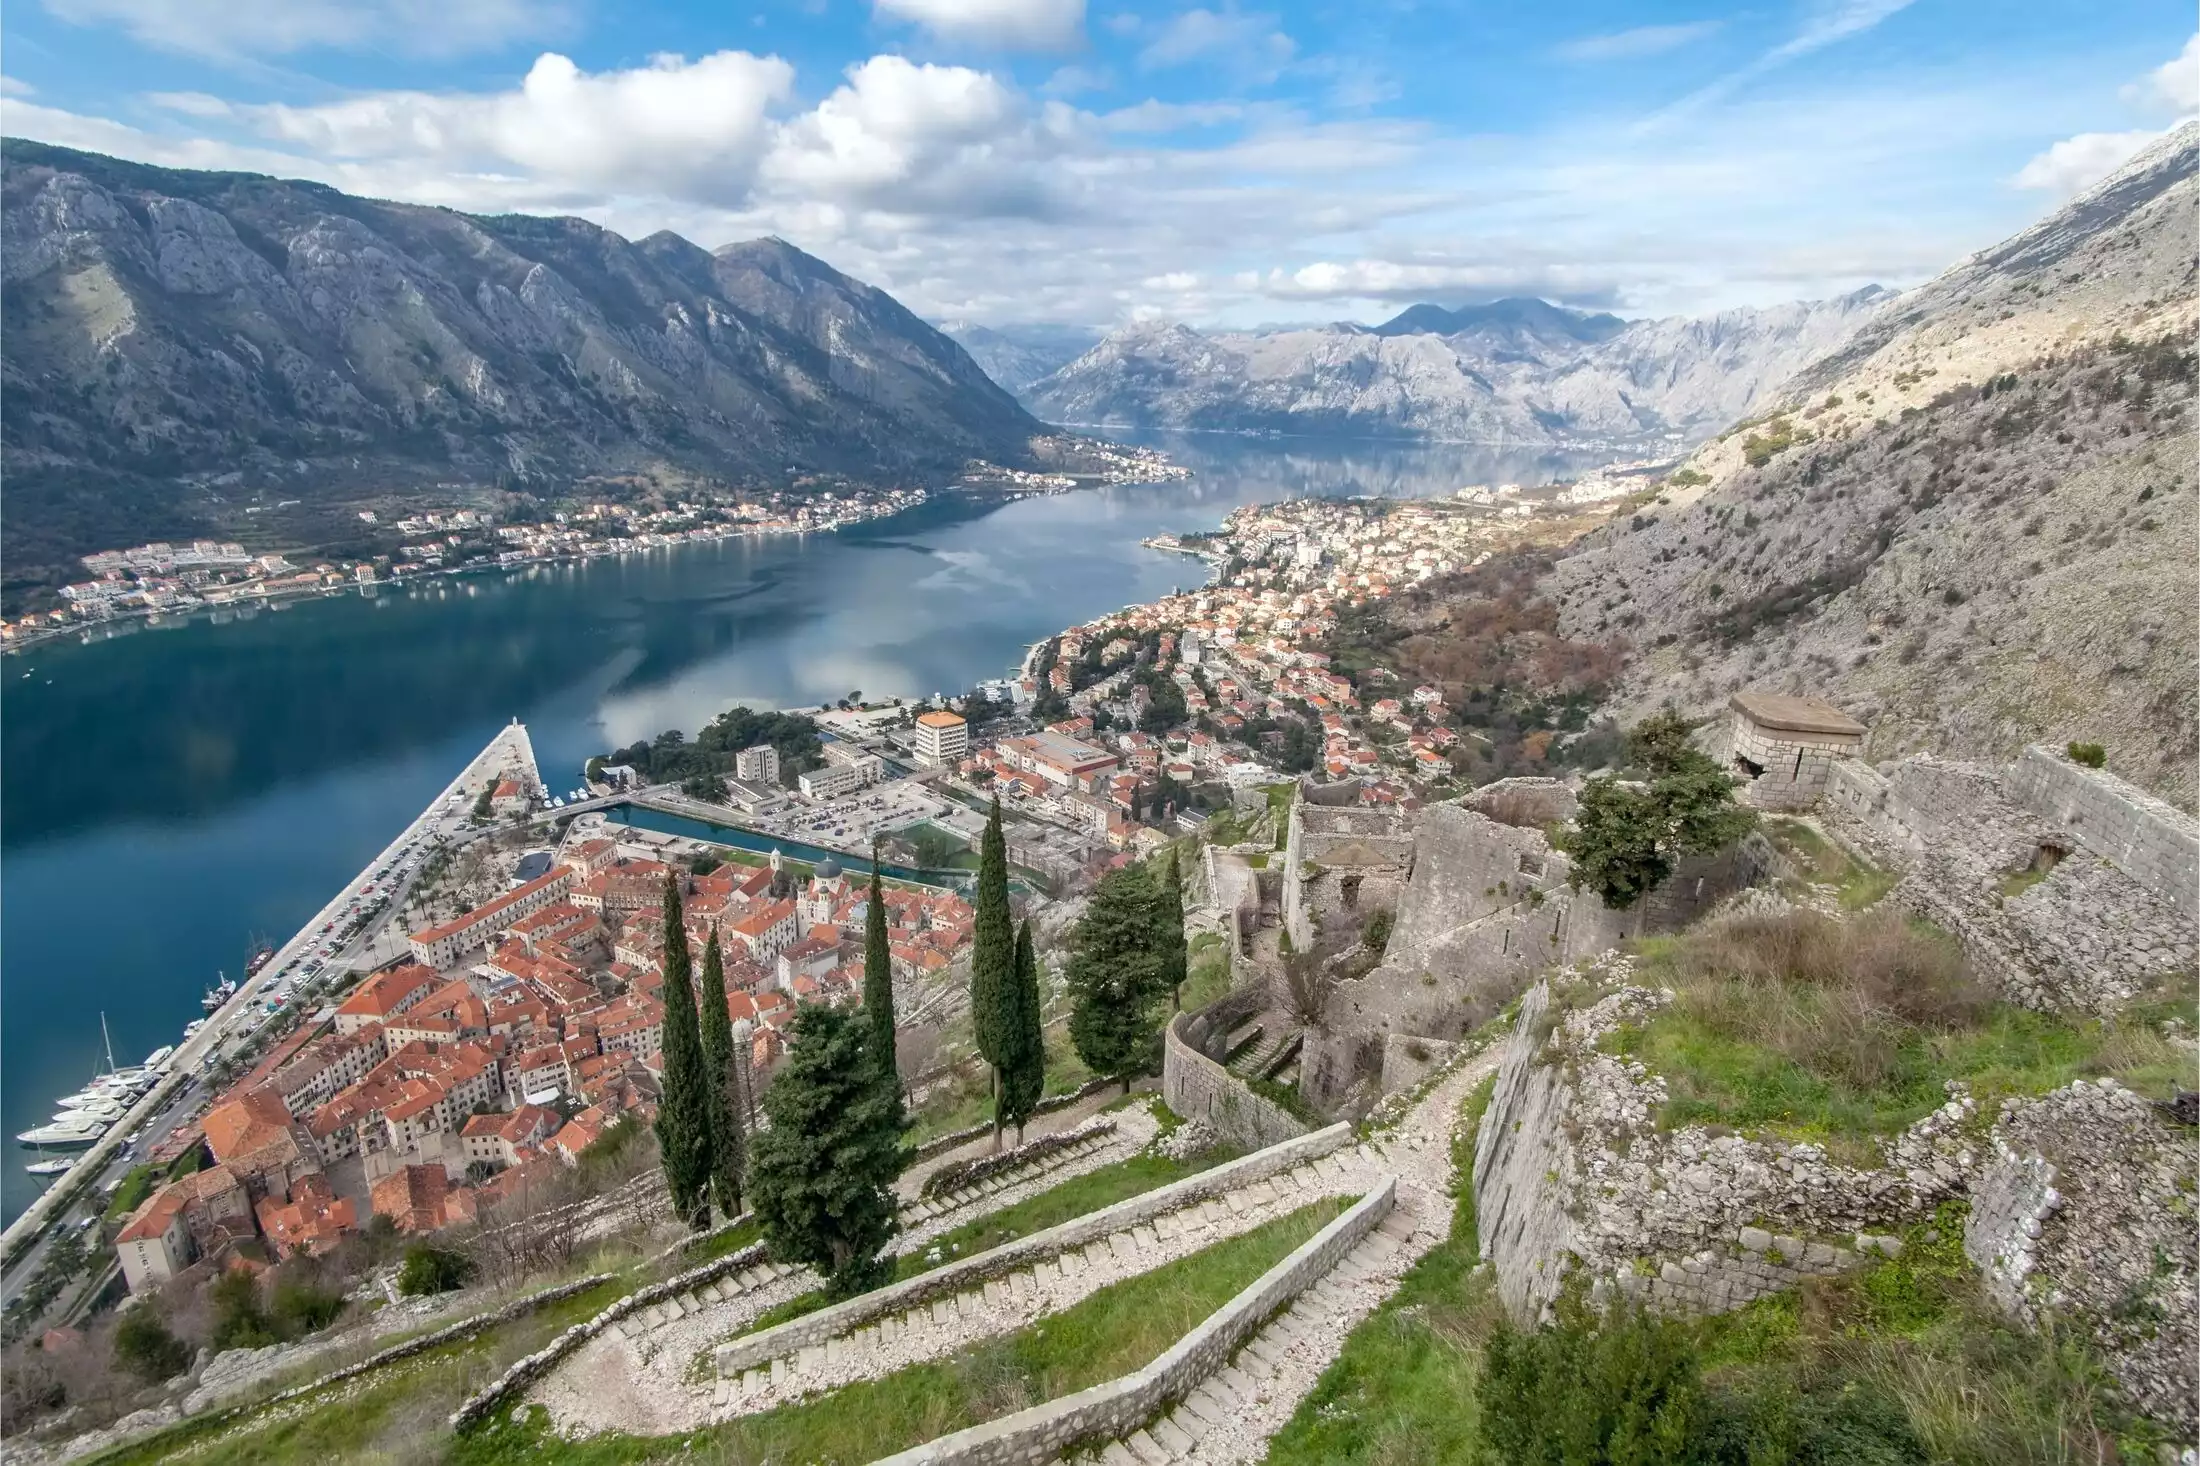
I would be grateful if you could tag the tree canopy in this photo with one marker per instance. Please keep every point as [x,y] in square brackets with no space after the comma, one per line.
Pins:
[727,1143]
[821,1173]
[1117,977]
[1627,835]
[683,1110]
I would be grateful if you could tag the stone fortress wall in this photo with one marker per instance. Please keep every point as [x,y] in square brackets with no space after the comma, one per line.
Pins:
[1487,907]
[1196,1085]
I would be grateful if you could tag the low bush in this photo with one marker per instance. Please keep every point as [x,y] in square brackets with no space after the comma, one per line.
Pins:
[432,1270]
[145,1347]
[2092,755]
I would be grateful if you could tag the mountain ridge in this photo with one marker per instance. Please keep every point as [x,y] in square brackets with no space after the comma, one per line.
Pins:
[166,325]
[1513,371]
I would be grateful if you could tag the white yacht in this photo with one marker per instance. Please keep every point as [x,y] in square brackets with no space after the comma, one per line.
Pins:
[100,1109]
[160,1056]
[53,1167]
[68,1134]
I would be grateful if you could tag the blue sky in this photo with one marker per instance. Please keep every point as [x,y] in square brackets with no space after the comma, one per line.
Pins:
[1217,162]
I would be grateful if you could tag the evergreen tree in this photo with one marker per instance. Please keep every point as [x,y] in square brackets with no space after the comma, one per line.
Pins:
[878,986]
[1024,1074]
[992,956]
[683,1110]
[1116,978]
[1627,837]
[727,1143]
[1176,956]
[821,1175]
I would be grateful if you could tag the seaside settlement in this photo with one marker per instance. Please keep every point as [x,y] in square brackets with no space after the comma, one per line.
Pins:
[521,1027]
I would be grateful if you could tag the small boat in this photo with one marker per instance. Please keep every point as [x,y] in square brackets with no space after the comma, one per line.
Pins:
[191,1029]
[65,1134]
[130,1080]
[54,1167]
[219,994]
[160,1056]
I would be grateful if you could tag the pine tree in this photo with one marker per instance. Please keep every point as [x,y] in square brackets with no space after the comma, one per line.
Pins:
[821,1174]
[683,1110]
[727,1143]
[1024,1074]
[992,956]
[1176,957]
[878,986]
[1116,978]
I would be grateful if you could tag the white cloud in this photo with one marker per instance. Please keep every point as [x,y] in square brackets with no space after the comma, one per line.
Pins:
[1027,25]
[1407,281]
[10,87]
[913,138]
[691,128]
[230,28]
[2172,87]
[2075,164]
[1244,40]
[1643,40]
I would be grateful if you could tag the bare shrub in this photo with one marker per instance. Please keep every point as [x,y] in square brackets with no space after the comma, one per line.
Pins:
[1302,989]
[1839,997]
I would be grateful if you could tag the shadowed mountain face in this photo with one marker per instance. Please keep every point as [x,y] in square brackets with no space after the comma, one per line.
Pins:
[1511,371]
[1018,355]
[165,328]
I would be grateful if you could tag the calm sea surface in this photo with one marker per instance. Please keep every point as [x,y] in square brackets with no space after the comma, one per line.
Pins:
[171,792]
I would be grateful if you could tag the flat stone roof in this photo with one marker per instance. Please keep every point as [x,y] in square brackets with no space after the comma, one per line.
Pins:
[1795,714]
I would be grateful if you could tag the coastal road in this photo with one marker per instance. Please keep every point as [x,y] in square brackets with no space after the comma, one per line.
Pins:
[510,746]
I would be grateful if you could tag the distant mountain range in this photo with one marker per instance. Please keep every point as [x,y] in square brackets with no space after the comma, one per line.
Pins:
[166,328]
[1017,356]
[1519,371]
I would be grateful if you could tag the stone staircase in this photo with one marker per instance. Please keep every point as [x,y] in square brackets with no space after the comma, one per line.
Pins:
[1278,1043]
[1208,1423]
[635,1329]
[942,1325]
[939,1206]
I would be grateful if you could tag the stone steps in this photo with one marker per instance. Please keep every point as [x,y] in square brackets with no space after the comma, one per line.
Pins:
[1218,1405]
[941,1326]
[938,1206]
[1269,1054]
[636,1327]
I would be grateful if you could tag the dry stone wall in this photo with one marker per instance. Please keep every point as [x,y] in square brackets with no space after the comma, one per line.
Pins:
[2084,1211]
[2154,843]
[2085,934]
[1572,1172]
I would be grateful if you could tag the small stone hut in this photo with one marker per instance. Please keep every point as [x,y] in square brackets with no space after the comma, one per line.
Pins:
[1786,745]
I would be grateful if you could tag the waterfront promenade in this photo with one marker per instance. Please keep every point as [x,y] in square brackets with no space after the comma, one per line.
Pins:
[509,751]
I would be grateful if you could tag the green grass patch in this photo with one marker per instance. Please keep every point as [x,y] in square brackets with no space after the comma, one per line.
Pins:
[1805,1028]
[1116,1330]
[695,1254]
[1209,976]
[396,1414]
[1402,1390]
[2024,880]
[130,1193]
[1857,883]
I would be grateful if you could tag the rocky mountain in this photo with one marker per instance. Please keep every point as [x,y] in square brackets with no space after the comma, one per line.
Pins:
[1972,526]
[166,327]
[1512,371]
[1018,355]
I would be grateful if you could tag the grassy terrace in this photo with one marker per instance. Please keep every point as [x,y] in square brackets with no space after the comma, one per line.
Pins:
[1076,1197]
[1807,1028]
[1116,1330]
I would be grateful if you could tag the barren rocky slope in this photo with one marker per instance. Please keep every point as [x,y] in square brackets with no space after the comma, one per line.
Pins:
[1509,372]
[1017,356]
[163,324]
[1978,529]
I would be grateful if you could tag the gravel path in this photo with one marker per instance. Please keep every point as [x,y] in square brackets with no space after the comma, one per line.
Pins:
[1233,1416]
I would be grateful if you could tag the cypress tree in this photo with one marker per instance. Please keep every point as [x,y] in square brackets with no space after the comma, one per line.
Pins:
[683,1111]
[727,1143]
[821,1174]
[1176,957]
[1023,1077]
[992,956]
[878,986]
[1116,980]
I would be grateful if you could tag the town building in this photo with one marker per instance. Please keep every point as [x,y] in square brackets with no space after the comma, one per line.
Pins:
[942,737]
[758,765]
[441,946]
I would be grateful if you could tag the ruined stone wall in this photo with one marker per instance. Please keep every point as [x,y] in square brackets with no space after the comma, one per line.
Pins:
[1197,1087]
[1571,1172]
[1340,859]
[2156,844]
[2083,1210]
[1488,908]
